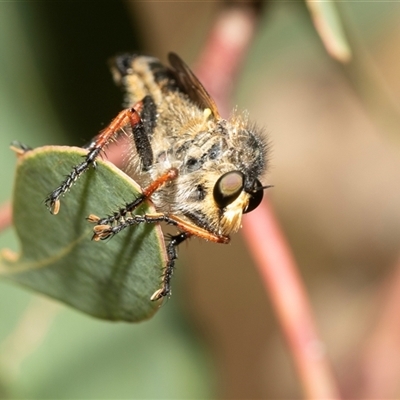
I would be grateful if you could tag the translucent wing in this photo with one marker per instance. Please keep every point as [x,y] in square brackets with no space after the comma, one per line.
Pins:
[189,83]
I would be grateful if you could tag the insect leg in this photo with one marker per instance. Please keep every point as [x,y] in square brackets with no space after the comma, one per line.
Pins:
[111,132]
[172,253]
[19,148]
[102,232]
[168,176]
[143,131]
[105,231]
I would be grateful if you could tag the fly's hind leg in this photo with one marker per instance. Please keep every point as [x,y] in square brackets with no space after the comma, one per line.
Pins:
[126,117]
[122,213]
[172,253]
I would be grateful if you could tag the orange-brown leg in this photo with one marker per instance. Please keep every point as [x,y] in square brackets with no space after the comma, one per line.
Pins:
[168,176]
[126,117]
[104,231]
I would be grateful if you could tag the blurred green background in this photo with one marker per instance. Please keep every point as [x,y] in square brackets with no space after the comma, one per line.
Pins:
[335,164]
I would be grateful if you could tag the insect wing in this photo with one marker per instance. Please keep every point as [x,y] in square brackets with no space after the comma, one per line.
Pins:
[189,83]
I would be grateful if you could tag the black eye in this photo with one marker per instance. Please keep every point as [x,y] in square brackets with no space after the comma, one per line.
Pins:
[228,188]
[255,198]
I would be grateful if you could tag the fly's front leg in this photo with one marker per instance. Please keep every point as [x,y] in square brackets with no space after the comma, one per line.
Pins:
[100,142]
[105,231]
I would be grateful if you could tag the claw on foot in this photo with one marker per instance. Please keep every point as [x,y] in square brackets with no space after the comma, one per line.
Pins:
[94,219]
[157,295]
[102,232]
[53,205]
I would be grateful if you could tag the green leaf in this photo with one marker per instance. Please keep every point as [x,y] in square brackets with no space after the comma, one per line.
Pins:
[112,279]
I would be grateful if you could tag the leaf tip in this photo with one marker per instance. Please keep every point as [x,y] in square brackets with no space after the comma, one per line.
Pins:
[329,27]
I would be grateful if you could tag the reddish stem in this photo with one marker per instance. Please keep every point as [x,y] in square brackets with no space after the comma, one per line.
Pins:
[5,215]
[221,58]
[380,357]
[217,69]
[280,275]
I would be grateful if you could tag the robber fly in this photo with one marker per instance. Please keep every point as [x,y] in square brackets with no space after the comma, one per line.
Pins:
[200,171]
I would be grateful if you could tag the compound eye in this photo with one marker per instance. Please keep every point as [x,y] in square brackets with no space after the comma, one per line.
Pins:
[228,188]
[255,198]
